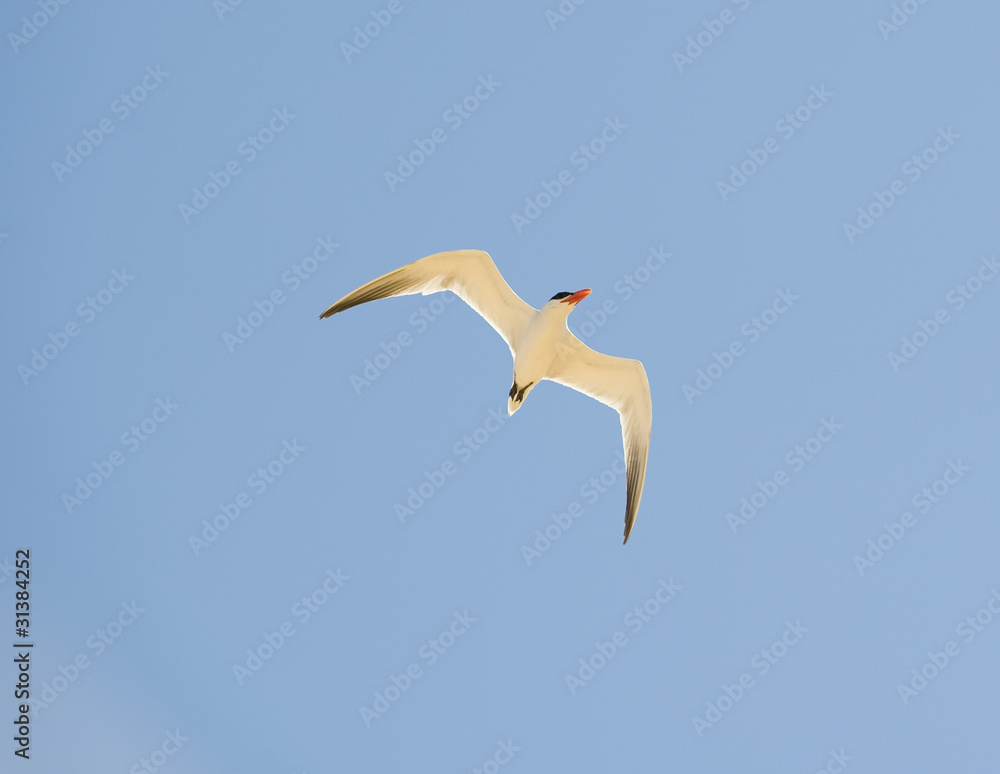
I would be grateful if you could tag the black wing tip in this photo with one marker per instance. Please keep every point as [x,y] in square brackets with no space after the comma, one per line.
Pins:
[348,302]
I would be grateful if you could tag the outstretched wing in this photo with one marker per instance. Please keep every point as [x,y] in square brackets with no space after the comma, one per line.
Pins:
[470,274]
[620,383]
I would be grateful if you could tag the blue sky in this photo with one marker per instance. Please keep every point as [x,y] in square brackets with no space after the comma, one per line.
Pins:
[786,211]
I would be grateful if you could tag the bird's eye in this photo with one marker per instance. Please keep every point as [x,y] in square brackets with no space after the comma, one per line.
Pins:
[557,296]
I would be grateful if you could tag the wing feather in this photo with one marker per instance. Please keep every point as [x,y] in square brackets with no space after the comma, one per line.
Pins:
[622,384]
[470,274]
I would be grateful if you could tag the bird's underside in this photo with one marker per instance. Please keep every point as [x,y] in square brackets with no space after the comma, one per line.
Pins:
[540,343]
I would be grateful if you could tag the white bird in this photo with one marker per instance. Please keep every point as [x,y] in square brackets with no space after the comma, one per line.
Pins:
[540,342]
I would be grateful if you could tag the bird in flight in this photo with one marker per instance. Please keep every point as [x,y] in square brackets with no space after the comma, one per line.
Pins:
[540,343]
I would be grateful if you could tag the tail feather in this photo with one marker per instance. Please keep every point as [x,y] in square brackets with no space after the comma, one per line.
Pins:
[516,396]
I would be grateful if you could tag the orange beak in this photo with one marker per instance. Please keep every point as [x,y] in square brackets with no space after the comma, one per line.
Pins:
[577,297]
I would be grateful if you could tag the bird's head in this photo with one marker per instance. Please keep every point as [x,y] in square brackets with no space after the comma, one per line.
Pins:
[566,302]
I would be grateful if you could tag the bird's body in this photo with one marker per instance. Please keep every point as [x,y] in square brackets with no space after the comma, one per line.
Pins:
[536,350]
[540,343]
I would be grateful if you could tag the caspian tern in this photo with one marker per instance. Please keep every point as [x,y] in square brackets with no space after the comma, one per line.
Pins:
[540,343]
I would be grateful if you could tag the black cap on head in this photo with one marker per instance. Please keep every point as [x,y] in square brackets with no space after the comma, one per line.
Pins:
[557,296]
